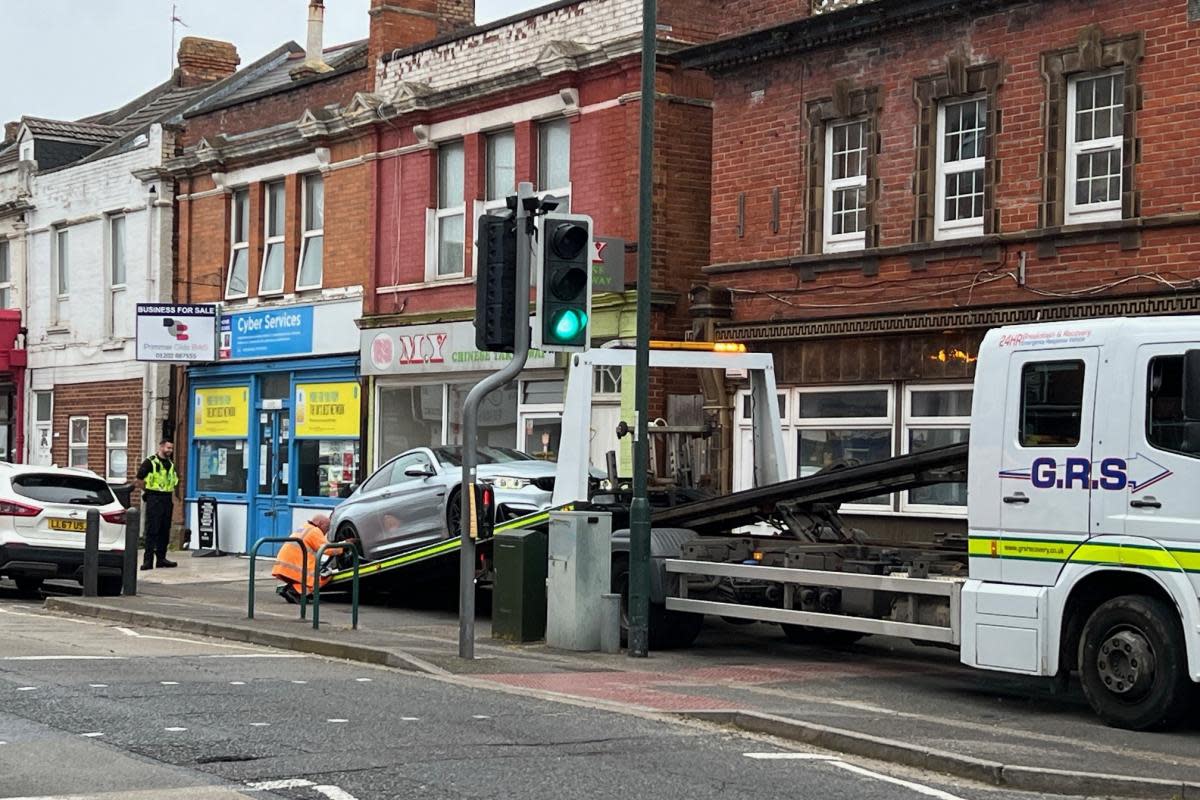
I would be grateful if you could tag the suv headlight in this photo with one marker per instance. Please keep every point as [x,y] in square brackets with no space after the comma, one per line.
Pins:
[510,482]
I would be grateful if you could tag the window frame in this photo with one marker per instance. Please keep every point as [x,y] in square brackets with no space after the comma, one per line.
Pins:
[844,242]
[441,214]
[909,421]
[111,445]
[73,446]
[1148,426]
[62,263]
[5,273]
[270,242]
[491,203]
[1074,213]
[563,193]
[306,235]
[1021,410]
[800,424]
[958,229]
[114,288]
[235,246]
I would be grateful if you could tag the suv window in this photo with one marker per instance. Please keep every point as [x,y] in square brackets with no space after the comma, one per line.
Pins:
[1166,428]
[1051,403]
[54,488]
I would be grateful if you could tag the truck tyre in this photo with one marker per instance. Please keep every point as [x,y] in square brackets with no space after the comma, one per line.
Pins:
[1133,663]
[108,585]
[28,585]
[804,634]
[669,630]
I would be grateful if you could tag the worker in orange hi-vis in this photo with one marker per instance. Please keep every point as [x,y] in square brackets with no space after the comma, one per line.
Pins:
[288,563]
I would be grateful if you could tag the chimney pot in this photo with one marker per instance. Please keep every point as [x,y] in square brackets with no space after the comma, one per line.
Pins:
[314,58]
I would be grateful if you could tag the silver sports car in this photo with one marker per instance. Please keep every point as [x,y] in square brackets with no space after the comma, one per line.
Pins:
[414,499]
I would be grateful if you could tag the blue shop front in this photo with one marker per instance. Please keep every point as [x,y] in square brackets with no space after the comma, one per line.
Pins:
[274,426]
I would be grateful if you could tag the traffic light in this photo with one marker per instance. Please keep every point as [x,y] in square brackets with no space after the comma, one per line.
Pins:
[564,286]
[496,284]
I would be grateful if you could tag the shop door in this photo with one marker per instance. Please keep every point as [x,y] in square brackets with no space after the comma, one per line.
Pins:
[272,515]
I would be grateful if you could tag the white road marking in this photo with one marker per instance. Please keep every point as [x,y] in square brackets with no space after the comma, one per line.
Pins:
[2,743]
[169,683]
[26,688]
[98,685]
[129,632]
[363,680]
[174,730]
[791,756]
[91,735]
[410,719]
[256,655]
[62,658]
[286,783]
[337,720]
[928,791]
[334,793]
[481,716]
[44,616]
[299,681]
[237,683]
[260,724]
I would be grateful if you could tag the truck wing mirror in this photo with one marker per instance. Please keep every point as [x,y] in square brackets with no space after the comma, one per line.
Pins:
[1191,385]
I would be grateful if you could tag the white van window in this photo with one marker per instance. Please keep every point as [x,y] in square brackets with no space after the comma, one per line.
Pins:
[1051,403]
[1166,428]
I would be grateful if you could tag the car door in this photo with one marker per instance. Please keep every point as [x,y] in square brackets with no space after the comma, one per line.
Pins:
[411,511]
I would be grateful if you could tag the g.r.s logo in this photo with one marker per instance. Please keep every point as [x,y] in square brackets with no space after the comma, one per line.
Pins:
[1109,473]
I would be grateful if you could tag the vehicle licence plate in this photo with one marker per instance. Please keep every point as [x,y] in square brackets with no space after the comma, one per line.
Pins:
[72,525]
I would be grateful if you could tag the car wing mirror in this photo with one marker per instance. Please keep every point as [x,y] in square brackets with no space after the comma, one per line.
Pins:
[1191,385]
[419,472]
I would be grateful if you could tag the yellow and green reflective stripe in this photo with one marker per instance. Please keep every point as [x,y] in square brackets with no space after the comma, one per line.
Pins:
[1084,552]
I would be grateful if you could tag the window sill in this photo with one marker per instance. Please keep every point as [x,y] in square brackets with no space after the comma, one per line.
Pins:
[110,345]
[58,329]
[454,280]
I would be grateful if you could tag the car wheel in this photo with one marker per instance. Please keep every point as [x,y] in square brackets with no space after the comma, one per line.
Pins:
[341,558]
[454,514]
[108,585]
[29,585]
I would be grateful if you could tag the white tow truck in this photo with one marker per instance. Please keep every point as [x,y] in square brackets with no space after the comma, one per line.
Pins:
[1083,545]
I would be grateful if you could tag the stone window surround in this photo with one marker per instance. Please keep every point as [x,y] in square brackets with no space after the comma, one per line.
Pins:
[845,104]
[1091,53]
[958,81]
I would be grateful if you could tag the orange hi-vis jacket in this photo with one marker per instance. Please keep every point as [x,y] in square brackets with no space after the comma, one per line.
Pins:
[288,562]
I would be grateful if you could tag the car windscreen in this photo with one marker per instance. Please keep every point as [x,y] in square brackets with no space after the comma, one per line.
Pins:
[78,490]
[452,456]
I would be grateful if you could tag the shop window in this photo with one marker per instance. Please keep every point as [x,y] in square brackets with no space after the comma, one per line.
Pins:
[1051,404]
[451,214]
[312,245]
[5,276]
[239,251]
[276,386]
[271,280]
[848,426]
[221,466]
[936,416]
[77,456]
[325,466]
[497,416]
[116,443]
[409,416]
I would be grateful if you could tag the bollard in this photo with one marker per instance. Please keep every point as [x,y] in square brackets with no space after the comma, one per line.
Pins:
[129,570]
[91,554]
[610,623]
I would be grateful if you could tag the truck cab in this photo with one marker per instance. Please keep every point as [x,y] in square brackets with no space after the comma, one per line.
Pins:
[1084,513]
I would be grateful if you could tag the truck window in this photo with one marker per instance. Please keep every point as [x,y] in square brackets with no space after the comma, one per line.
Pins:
[1166,428]
[1051,403]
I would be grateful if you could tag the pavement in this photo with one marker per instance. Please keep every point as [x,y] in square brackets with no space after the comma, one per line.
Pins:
[881,698]
[98,711]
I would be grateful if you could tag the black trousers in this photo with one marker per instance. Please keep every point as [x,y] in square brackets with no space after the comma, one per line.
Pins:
[158,524]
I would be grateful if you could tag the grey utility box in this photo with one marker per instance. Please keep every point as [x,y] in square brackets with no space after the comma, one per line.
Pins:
[579,575]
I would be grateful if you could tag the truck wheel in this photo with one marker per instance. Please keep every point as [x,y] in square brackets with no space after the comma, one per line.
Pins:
[804,634]
[28,585]
[108,585]
[669,630]
[1133,663]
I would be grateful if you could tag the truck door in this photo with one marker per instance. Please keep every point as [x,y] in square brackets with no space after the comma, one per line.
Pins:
[1046,464]
[1159,498]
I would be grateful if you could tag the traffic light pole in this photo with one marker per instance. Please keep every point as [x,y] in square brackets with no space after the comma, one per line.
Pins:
[469,518]
[639,511]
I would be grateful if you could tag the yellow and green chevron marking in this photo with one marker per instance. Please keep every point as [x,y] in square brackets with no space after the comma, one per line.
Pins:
[1083,552]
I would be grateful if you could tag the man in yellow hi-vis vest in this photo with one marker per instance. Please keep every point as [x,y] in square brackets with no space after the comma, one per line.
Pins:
[157,479]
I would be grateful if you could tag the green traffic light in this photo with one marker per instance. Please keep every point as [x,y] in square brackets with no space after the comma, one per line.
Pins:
[567,324]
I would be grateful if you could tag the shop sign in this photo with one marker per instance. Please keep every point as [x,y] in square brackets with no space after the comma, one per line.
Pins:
[328,409]
[296,330]
[176,333]
[432,349]
[221,412]
[608,265]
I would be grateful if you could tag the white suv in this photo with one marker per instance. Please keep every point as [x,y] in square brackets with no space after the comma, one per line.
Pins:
[43,516]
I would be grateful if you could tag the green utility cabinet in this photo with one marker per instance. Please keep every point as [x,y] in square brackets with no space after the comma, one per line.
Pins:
[519,595]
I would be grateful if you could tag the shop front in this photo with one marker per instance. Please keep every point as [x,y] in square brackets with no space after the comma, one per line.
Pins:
[419,379]
[275,425]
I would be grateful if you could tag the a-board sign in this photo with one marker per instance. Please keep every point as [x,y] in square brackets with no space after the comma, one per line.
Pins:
[206,512]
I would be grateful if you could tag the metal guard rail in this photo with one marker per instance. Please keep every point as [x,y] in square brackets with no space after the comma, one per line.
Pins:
[284,540]
[344,547]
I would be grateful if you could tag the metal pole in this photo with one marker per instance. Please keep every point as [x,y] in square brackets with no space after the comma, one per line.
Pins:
[91,553]
[639,510]
[129,570]
[468,520]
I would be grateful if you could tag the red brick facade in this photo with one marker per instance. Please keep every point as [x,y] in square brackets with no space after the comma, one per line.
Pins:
[97,402]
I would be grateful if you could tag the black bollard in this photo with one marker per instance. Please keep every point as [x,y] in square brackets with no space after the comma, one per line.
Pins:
[129,570]
[91,553]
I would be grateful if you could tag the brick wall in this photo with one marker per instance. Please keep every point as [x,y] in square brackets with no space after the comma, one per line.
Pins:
[97,401]
[760,138]
[743,16]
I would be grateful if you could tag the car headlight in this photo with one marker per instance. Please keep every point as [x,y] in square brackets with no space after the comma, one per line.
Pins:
[509,482]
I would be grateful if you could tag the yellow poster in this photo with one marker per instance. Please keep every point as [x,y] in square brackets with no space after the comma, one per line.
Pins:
[327,409]
[223,411]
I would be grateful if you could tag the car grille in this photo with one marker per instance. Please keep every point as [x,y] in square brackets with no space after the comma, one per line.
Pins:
[545,484]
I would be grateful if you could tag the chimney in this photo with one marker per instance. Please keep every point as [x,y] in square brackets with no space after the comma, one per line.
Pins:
[203,61]
[399,24]
[11,129]
[314,51]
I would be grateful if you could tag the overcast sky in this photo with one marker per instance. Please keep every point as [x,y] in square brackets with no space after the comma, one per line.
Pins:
[66,59]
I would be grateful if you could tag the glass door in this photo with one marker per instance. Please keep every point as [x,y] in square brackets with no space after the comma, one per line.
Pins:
[272,514]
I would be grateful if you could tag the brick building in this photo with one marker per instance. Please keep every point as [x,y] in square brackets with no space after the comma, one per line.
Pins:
[86,222]
[892,178]
[551,96]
